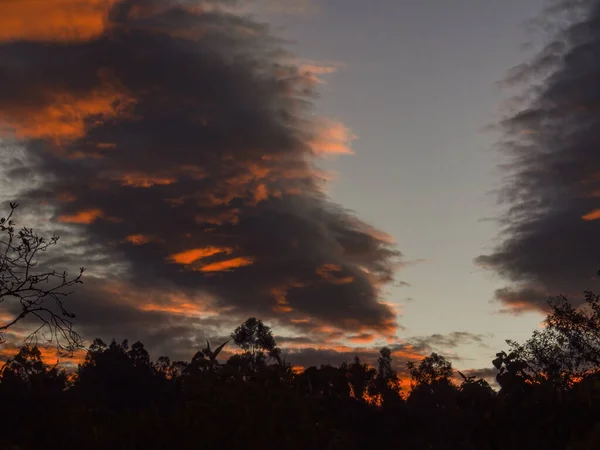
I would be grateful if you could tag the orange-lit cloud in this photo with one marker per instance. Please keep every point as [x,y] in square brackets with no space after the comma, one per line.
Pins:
[281,303]
[169,304]
[409,354]
[184,308]
[230,216]
[363,338]
[333,138]
[300,320]
[138,239]
[314,70]
[593,215]
[49,355]
[63,116]
[145,181]
[228,182]
[326,269]
[191,256]
[328,273]
[261,193]
[517,307]
[228,264]
[56,20]
[82,217]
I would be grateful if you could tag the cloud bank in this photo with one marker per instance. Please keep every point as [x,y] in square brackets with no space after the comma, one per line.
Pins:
[175,144]
[551,239]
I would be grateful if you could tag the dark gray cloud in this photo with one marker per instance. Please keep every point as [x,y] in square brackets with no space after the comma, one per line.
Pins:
[487,373]
[551,237]
[175,147]
[437,342]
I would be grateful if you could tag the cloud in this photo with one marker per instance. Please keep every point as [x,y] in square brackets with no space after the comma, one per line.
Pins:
[333,138]
[363,338]
[315,69]
[549,241]
[437,342]
[63,20]
[48,355]
[285,6]
[488,374]
[176,151]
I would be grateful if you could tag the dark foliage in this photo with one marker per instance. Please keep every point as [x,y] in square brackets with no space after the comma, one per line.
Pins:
[120,398]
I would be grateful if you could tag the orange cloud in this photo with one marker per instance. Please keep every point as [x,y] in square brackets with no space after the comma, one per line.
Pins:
[82,217]
[138,239]
[228,264]
[516,307]
[258,171]
[327,271]
[363,338]
[55,20]
[594,215]
[231,216]
[63,116]
[145,181]
[299,320]
[333,138]
[169,301]
[282,305]
[408,353]
[326,268]
[261,193]
[49,355]
[191,256]
[314,70]
[186,309]
[295,346]
[106,145]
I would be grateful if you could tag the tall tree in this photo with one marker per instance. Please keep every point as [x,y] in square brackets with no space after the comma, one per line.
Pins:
[565,350]
[432,369]
[361,377]
[257,341]
[579,330]
[387,382]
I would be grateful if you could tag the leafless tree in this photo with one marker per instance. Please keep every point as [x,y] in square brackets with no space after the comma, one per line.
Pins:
[28,289]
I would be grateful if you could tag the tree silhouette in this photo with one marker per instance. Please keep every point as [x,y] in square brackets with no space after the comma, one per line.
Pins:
[387,382]
[33,290]
[431,381]
[122,398]
[384,364]
[577,330]
[361,377]
[432,369]
[258,343]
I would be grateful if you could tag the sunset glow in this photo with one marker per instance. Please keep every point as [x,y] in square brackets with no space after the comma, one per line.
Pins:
[228,264]
[82,217]
[191,256]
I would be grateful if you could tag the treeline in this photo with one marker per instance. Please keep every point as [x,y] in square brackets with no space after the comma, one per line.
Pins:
[121,399]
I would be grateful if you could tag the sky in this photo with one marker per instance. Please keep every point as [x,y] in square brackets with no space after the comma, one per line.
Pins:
[341,183]
[417,83]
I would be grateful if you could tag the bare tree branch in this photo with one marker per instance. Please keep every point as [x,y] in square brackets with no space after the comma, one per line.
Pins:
[38,293]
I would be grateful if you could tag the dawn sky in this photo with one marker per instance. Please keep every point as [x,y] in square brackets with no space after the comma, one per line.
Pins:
[343,192]
[417,84]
